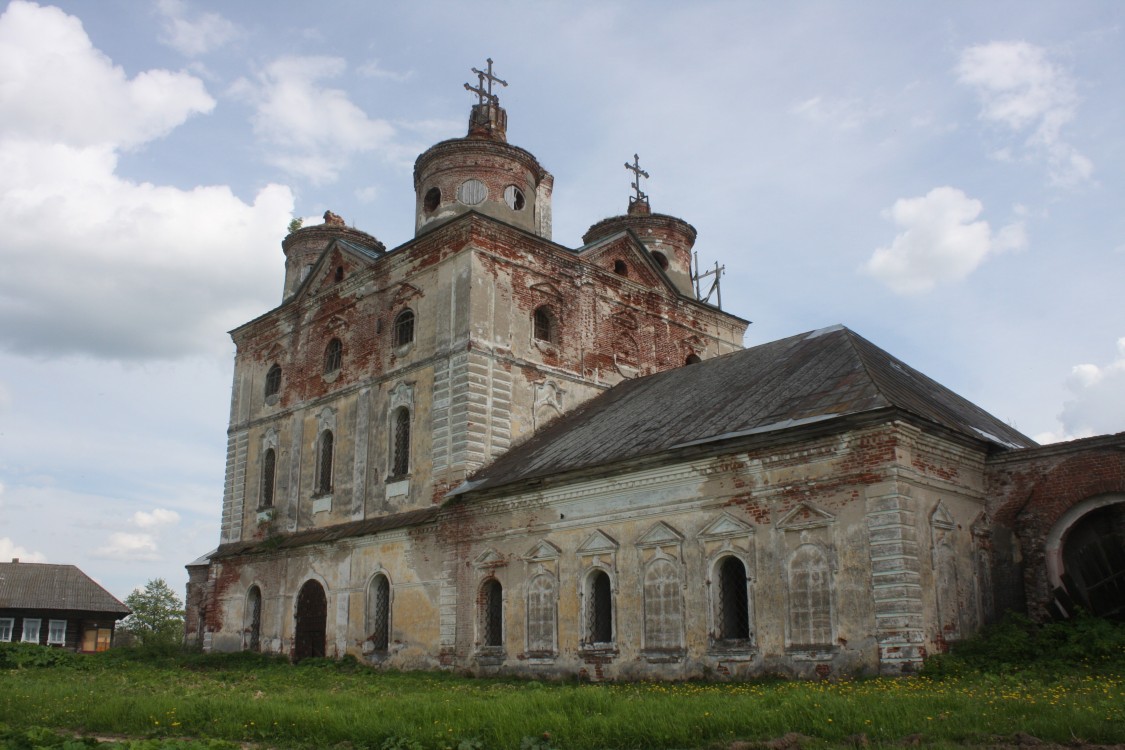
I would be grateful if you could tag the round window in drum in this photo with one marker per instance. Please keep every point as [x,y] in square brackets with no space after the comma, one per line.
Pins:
[513,196]
[472,192]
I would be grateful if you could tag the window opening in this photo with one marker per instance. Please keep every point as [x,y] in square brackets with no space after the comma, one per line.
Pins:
[400,465]
[254,618]
[273,381]
[492,613]
[56,633]
[661,259]
[620,268]
[432,199]
[542,324]
[513,196]
[269,470]
[663,607]
[379,612]
[333,356]
[339,273]
[541,618]
[324,466]
[599,613]
[6,624]
[31,630]
[692,359]
[732,618]
[472,192]
[404,328]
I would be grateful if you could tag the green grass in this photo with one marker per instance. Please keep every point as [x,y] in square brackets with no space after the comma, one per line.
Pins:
[218,700]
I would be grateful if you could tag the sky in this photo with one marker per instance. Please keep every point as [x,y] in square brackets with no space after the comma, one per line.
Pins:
[945,179]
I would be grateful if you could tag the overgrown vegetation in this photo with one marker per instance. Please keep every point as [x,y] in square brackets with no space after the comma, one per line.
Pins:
[1062,684]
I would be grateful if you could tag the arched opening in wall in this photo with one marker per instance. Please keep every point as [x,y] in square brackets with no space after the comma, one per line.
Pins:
[273,381]
[312,620]
[324,464]
[472,192]
[661,259]
[432,200]
[404,328]
[620,268]
[599,609]
[1093,562]
[664,616]
[692,359]
[333,356]
[400,449]
[732,602]
[252,619]
[543,324]
[269,471]
[379,613]
[513,196]
[492,614]
[541,616]
[339,273]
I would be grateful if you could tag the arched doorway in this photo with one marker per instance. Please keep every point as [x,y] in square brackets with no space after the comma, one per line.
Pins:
[1093,561]
[253,619]
[312,616]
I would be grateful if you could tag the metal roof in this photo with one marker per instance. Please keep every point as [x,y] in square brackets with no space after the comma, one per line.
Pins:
[812,377]
[43,586]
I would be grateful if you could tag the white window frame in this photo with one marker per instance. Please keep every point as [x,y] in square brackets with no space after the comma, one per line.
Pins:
[58,626]
[38,627]
[7,624]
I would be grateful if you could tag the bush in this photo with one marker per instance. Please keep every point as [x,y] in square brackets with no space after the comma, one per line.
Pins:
[25,655]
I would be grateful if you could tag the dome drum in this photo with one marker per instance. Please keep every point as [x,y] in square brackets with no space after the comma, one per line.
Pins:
[669,240]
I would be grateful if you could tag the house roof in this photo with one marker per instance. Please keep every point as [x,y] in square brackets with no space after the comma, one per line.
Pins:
[42,586]
[812,377]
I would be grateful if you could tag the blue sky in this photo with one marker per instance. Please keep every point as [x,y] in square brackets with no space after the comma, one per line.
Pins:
[945,179]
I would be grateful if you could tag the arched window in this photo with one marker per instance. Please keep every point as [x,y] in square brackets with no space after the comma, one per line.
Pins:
[404,328]
[542,617]
[269,471]
[492,613]
[543,324]
[324,464]
[620,268]
[432,199]
[732,602]
[339,273]
[273,381]
[333,356]
[664,616]
[661,259]
[692,359]
[599,609]
[810,597]
[252,618]
[379,612]
[400,446]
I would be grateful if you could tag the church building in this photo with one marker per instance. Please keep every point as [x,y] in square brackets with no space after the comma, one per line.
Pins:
[487,452]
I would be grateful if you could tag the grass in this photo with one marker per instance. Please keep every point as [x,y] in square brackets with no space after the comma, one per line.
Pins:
[245,698]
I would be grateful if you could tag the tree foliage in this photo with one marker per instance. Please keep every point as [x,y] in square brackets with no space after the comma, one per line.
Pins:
[158,615]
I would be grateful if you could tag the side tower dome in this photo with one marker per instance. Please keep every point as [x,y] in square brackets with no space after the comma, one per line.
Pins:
[669,240]
[482,172]
[303,247]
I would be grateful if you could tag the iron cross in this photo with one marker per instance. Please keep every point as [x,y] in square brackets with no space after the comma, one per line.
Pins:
[638,173]
[480,91]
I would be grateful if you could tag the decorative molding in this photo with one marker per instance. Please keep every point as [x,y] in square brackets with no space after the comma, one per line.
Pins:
[542,551]
[660,534]
[547,289]
[490,559]
[940,517]
[598,543]
[402,395]
[805,516]
[404,292]
[725,526]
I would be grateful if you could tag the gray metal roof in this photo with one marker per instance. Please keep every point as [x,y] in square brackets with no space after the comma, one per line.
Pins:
[42,586]
[812,377]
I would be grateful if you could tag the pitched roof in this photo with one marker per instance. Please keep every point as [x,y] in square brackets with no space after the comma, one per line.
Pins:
[811,377]
[42,586]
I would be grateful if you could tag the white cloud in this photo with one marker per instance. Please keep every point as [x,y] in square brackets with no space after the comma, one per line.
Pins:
[132,547]
[846,114]
[9,551]
[1021,89]
[1097,403]
[95,263]
[941,241]
[158,517]
[313,131]
[195,37]
[371,69]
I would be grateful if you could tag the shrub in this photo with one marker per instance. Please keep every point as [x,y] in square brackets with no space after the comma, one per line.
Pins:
[25,655]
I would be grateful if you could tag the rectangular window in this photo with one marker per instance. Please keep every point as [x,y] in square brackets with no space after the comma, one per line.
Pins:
[6,624]
[56,633]
[31,630]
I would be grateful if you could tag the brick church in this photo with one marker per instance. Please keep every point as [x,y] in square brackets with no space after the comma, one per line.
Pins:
[488,452]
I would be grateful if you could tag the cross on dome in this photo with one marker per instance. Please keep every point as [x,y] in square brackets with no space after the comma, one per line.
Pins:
[485,95]
[638,173]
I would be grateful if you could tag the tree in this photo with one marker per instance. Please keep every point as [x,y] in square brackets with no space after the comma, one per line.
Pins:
[295,225]
[158,615]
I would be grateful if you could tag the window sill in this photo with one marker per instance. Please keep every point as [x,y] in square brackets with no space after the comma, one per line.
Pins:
[398,487]
[663,657]
[490,655]
[272,400]
[322,503]
[811,653]
[265,515]
[599,650]
[330,377]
